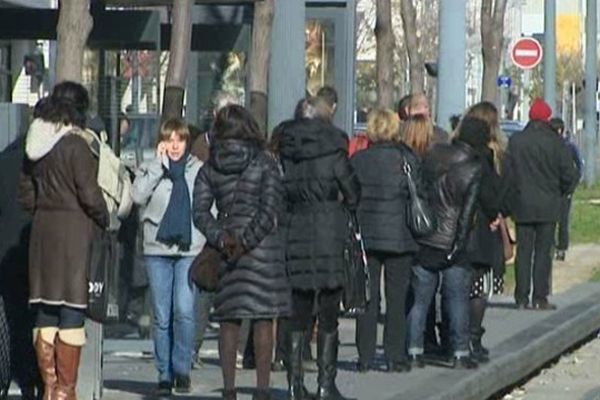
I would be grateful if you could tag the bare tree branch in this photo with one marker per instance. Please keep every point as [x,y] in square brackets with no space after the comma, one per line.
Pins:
[409,22]
[74,26]
[259,60]
[385,54]
[181,39]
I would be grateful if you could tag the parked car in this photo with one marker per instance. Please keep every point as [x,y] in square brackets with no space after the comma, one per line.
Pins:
[510,127]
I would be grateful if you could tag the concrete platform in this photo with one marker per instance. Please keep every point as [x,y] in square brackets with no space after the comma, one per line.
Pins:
[520,342]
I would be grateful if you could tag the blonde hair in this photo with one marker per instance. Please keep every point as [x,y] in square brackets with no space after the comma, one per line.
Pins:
[383,126]
[489,113]
[417,133]
[175,126]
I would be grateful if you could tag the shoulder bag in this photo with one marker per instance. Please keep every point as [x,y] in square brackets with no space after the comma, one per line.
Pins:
[420,217]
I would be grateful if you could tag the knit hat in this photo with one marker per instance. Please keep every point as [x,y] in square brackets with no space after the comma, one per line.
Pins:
[540,110]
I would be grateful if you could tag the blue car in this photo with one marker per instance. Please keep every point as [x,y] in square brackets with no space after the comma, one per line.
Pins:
[511,127]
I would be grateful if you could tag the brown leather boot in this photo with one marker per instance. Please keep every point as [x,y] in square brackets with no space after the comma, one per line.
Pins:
[67,366]
[47,366]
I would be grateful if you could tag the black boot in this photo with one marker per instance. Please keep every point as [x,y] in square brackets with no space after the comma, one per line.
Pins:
[479,353]
[230,394]
[295,372]
[262,394]
[327,354]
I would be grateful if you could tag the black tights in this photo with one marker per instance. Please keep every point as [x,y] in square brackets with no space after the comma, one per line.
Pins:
[263,350]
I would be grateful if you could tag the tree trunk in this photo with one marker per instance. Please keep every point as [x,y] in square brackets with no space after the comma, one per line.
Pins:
[492,35]
[179,49]
[385,54]
[417,66]
[74,26]
[259,60]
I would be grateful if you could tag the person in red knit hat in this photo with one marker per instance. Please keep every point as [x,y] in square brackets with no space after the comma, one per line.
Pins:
[540,111]
[539,172]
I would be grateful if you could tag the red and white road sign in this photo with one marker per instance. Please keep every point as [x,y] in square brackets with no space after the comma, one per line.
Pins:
[526,53]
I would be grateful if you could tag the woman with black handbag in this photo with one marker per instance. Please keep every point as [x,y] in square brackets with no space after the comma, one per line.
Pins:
[317,175]
[163,188]
[389,242]
[244,182]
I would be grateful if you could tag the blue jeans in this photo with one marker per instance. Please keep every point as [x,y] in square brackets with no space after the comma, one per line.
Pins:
[456,286]
[174,316]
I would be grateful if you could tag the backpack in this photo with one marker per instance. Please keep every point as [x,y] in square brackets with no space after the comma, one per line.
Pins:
[357,143]
[113,178]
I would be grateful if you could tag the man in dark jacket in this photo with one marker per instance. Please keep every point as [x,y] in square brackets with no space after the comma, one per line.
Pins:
[451,174]
[540,171]
[562,242]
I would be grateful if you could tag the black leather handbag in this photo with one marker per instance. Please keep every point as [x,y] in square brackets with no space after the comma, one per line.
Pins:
[357,278]
[421,219]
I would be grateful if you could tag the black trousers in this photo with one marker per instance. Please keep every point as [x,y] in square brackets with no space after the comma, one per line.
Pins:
[397,281]
[326,304]
[534,257]
[563,224]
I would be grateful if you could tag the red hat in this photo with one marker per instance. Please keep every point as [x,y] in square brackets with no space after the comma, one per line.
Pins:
[540,110]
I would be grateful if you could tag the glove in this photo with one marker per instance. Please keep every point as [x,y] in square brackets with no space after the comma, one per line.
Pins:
[232,247]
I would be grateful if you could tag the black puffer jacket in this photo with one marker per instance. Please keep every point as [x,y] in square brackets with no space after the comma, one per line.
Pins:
[452,175]
[245,183]
[316,170]
[385,196]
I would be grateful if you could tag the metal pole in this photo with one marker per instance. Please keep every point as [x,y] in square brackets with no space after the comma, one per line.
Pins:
[550,53]
[591,73]
[451,75]
[287,77]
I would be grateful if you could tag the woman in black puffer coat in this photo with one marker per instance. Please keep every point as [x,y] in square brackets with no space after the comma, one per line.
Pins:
[245,183]
[317,175]
[388,239]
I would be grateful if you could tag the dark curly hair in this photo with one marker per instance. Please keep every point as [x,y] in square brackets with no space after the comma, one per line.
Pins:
[68,104]
[235,122]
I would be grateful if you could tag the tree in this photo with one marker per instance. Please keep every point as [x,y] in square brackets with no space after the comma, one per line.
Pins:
[74,26]
[259,60]
[179,49]
[385,54]
[492,35]
[409,23]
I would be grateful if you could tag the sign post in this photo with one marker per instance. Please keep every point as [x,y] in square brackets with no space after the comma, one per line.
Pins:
[527,53]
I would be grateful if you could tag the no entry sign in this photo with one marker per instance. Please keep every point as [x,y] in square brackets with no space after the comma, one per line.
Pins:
[526,53]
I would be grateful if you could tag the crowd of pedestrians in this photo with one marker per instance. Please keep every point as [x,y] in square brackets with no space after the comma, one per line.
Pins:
[278,214]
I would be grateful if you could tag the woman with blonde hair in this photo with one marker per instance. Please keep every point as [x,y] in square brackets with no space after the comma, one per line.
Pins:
[417,133]
[487,238]
[388,239]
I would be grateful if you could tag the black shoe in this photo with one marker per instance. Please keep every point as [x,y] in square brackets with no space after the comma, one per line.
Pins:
[363,368]
[416,361]
[230,394]
[561,255]
[398,366]
[277,366]
[165,388]
[543,305]
[464,362]
[478,351]
[522,305]
[327,354]
[295,371]
[183,384]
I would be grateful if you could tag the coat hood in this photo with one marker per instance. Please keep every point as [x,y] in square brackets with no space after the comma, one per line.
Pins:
[232,156]
[42,137]
[311,138]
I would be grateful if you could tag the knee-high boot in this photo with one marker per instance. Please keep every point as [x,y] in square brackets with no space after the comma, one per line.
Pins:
[44,350]
[295,372]
[327,354]
[68,355]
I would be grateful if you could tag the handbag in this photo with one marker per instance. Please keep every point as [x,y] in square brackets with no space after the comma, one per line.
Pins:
[357,278]
[508,243]
[420,217]
[103,275]
[204,271]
